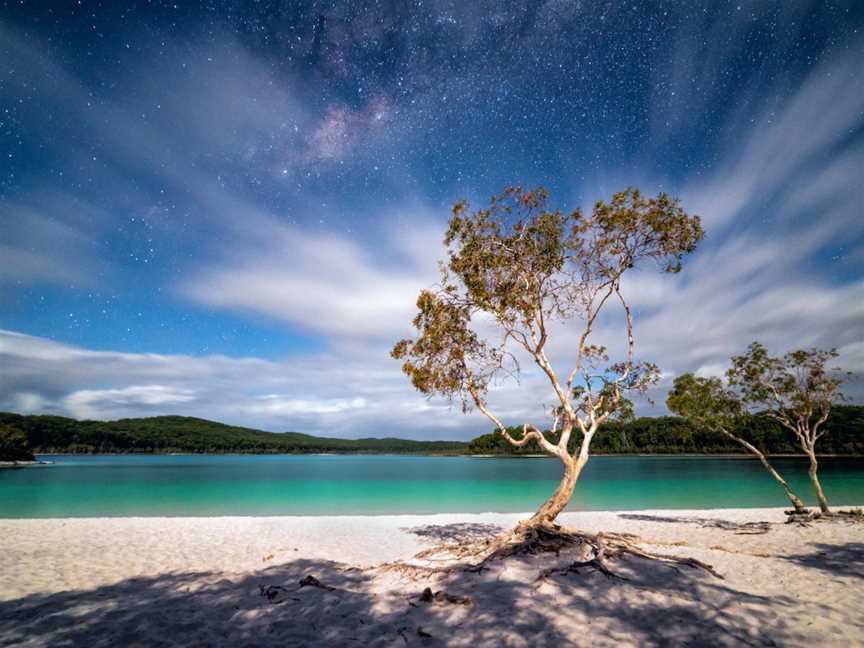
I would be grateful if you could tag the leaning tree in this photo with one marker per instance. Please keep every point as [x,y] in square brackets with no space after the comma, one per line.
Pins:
[521,271]
[710,405]
[797,390]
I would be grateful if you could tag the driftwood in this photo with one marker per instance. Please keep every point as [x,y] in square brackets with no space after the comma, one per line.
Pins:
[276,594]
[273,593]
[311,581]
[442,597]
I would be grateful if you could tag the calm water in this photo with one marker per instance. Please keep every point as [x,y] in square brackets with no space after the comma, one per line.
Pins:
[306,485]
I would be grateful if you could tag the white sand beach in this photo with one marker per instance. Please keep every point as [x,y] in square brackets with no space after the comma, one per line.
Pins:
[198,581]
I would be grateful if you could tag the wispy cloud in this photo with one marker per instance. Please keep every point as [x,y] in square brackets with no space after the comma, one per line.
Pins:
[326,283]
[787,146]
[311,196]
[350,392]
[49,239]
[96,403]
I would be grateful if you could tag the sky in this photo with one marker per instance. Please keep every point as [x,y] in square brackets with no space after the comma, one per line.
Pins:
[227,209]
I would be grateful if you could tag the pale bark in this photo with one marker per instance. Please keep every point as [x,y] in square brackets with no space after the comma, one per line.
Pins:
[807,436]
[588,425]
[796,501]
[547,513]
[814,478]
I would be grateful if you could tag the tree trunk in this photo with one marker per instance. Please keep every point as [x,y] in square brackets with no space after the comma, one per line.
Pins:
[547,513]
[814,466]
[797,504]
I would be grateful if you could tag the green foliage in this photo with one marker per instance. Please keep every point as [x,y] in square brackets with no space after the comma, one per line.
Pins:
[705,402]
[677,435]
[799,387]
[436,361]
[166,434]
[13,444]
[522,264]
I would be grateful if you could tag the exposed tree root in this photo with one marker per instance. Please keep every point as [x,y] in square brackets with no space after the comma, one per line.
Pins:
[550,537]
[737,552]
[806,517]
[413,572]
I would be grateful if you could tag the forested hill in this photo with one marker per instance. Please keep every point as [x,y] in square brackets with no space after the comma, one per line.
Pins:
[166,434]
[673,435]
[655,435]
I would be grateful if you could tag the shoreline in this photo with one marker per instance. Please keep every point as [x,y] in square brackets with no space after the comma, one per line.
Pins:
[690,455]
[685,511]
[204,580]
[363,540]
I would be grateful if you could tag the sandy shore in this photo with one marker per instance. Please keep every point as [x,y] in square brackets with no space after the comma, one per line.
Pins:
[197,581]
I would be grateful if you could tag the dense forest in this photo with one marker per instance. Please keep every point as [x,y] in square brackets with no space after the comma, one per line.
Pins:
[14,445]
[167,434]
[673,435]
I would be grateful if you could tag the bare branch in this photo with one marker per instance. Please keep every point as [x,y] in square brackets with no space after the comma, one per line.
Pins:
[523,265]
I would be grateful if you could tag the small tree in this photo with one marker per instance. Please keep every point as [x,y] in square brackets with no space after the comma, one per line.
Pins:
[522,267]
[796,390]
[708,404]
[14,445]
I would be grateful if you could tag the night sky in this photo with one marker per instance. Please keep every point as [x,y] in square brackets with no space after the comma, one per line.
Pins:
[226,209]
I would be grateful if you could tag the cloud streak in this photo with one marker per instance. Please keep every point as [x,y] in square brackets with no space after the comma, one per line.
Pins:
[306,186]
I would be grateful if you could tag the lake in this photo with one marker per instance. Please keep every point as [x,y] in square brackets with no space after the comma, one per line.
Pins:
[207,485]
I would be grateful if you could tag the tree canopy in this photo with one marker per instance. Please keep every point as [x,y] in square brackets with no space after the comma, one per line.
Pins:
[524,266]
[797,391]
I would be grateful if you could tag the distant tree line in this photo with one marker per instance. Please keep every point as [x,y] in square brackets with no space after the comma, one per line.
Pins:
[674,435]
[181,434]
[19,435]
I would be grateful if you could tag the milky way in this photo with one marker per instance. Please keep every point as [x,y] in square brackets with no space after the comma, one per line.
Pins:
[225,209]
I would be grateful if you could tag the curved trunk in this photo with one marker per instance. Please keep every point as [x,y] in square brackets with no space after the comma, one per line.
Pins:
[547,513]
[797,504]
[814,466]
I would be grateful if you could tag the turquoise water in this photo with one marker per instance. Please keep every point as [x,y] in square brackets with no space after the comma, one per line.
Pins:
[201,485]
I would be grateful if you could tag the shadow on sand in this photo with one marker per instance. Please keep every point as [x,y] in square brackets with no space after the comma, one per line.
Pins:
[656,606]
[837,560]
[456,532]
[752,527]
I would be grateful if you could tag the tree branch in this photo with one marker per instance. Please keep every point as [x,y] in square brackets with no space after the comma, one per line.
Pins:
[589,326]
[527,436]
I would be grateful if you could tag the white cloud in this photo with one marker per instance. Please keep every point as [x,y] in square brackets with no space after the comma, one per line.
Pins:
[351,391]
[275,404]
[772,206]
[327,283]
[97,403]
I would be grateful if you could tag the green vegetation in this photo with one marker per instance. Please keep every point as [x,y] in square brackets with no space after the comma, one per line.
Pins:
[797,391]
[13,444]
[519,265]
[674,435]
[167,434]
